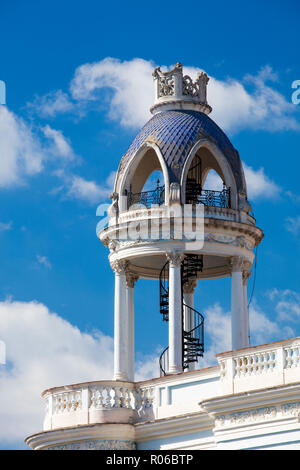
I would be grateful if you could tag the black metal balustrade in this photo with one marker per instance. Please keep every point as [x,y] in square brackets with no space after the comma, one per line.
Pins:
[215,198]
[148,198]
[194,195]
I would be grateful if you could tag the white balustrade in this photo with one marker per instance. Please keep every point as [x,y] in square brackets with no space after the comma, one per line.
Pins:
[292,356]
[246,369]
[97,402]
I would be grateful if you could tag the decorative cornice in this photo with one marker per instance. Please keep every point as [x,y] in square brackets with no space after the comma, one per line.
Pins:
[286,410]
[97,444]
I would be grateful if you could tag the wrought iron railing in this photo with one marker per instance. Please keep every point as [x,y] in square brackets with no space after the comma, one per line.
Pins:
[194,195]
[215,198]
[147,198]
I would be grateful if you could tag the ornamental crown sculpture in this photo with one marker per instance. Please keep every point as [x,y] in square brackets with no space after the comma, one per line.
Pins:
[177,91]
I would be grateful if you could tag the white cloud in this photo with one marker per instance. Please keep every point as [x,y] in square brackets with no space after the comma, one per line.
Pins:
[90,191]
[218,331]
[262,329]
[60,145]
[131,82]
[287,304]
[235,107]
[259,185]
[43,260]
[20,149]
[292,224]
[51,104]
[5,226]
[43,350]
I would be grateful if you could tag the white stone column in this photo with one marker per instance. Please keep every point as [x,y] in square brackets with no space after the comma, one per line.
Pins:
[239,324]
[130,281]
[188,299]
[175,313]
[246,275]
[188,313]
[121,344]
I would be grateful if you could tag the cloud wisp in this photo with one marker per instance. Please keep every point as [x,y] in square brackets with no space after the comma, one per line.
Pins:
[22,154]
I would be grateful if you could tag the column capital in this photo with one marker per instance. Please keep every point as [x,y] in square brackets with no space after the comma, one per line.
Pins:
[119,266]
[131,278]
[239,264]
[175,257]
[246,275]
[189,286]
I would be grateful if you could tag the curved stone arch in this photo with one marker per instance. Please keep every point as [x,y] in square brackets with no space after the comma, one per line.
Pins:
[123,180]
[223,164]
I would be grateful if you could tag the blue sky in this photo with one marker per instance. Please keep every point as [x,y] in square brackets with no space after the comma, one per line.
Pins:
[79,86]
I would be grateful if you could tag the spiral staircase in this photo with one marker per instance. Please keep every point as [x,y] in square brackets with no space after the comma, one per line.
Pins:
[192,339]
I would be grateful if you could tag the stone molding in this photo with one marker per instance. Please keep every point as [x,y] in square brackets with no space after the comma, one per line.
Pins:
[96,444]
[286,410]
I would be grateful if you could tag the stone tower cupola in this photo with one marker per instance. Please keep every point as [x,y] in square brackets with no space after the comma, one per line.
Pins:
[144,237]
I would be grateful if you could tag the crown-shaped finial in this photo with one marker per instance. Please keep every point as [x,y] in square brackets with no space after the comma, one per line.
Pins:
[173,90]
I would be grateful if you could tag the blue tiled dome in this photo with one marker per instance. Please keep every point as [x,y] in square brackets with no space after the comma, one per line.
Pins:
[175,133]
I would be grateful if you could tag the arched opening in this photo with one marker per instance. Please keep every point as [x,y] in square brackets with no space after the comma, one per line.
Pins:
[205,182]
[213,181]
[152,193]
[144,181]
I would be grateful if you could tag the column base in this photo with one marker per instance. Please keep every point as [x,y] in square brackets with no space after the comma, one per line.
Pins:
[174,370]
[122,377]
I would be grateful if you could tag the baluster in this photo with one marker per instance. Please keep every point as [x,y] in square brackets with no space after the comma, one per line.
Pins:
[288,357]
[244,368]
[64,401]
[116,397]
[72,402]
[127,398]
[137,399]
[108,399]
[93,397]
[297,350]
